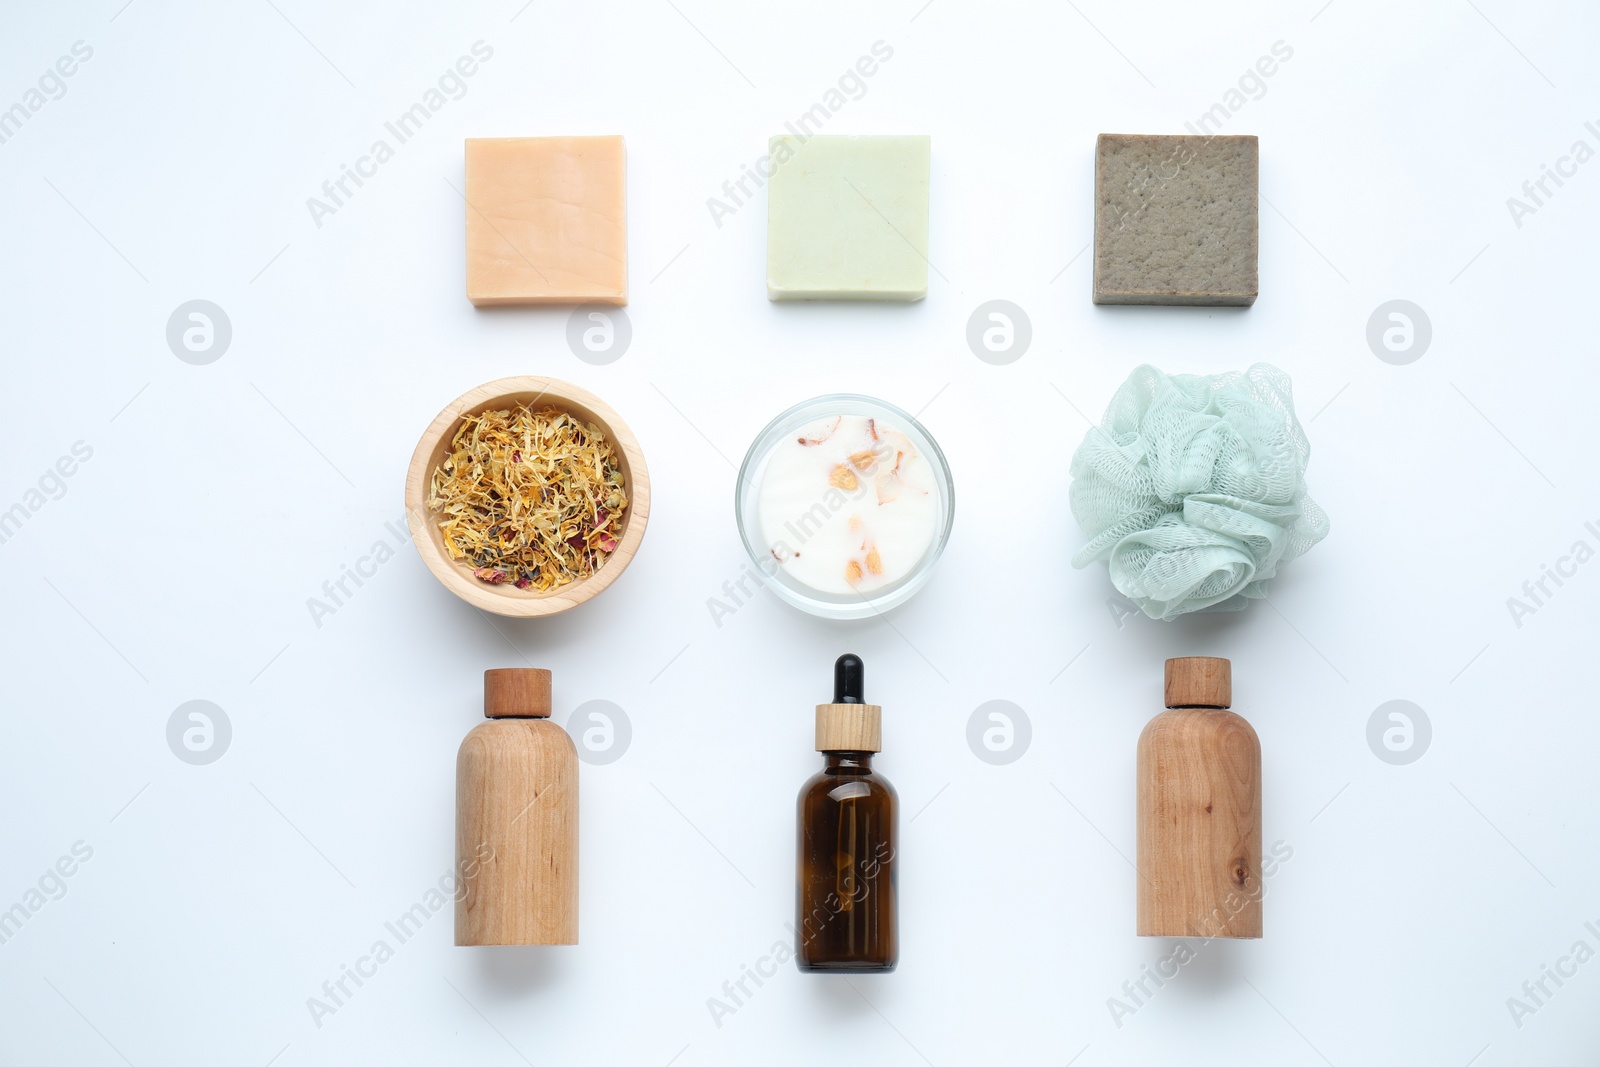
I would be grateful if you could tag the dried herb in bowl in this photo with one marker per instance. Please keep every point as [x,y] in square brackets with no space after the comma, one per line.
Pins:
[533,498]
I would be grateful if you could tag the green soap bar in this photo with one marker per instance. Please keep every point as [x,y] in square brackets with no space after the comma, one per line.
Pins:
[847,218]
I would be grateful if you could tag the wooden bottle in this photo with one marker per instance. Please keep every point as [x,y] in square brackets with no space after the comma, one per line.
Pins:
[1199,810]
[845,894]
[517,819]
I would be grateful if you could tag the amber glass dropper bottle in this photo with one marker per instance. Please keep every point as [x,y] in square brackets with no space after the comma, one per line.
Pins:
[845,899]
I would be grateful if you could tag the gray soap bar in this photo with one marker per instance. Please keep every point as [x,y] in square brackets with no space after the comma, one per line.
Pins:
[1175,220]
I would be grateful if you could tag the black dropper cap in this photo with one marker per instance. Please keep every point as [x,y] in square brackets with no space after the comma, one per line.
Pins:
[849,679]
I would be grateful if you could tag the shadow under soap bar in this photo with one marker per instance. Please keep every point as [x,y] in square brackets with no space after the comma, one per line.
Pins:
[1175,220]
[546,220]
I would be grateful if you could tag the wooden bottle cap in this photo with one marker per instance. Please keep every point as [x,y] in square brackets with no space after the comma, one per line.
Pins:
[1199,682]
[849,728]
[516,693]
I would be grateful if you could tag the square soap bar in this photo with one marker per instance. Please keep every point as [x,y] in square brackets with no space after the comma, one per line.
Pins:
[847,218]
[1175,220]
[546,221]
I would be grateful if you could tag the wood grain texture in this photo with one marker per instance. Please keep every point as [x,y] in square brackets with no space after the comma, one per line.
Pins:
[517,835]
[505,393]
[1199,682]
[1199,826]
[517,692]
[849,728]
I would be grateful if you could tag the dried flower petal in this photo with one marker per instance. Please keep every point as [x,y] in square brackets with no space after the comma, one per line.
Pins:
[822,437]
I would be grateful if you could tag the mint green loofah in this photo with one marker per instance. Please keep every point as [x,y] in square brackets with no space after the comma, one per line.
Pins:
[1193,489]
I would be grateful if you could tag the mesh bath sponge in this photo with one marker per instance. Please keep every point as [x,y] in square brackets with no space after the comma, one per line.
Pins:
[1193,489]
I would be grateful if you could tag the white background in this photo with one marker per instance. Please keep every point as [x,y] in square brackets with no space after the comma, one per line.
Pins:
[179,561]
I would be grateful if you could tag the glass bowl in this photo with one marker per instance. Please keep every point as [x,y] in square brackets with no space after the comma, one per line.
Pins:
[852,605]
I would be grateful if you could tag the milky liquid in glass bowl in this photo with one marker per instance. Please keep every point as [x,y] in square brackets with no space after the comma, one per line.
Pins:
[845,504]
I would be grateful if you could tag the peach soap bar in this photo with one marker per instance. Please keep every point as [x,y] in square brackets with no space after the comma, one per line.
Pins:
[546,220]
[847,218]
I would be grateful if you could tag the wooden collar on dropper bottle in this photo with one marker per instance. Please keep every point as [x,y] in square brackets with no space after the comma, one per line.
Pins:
[849,724]
[1199,682]
[516,693]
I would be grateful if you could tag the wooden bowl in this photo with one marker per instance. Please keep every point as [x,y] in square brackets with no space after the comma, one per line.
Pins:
[535,392]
